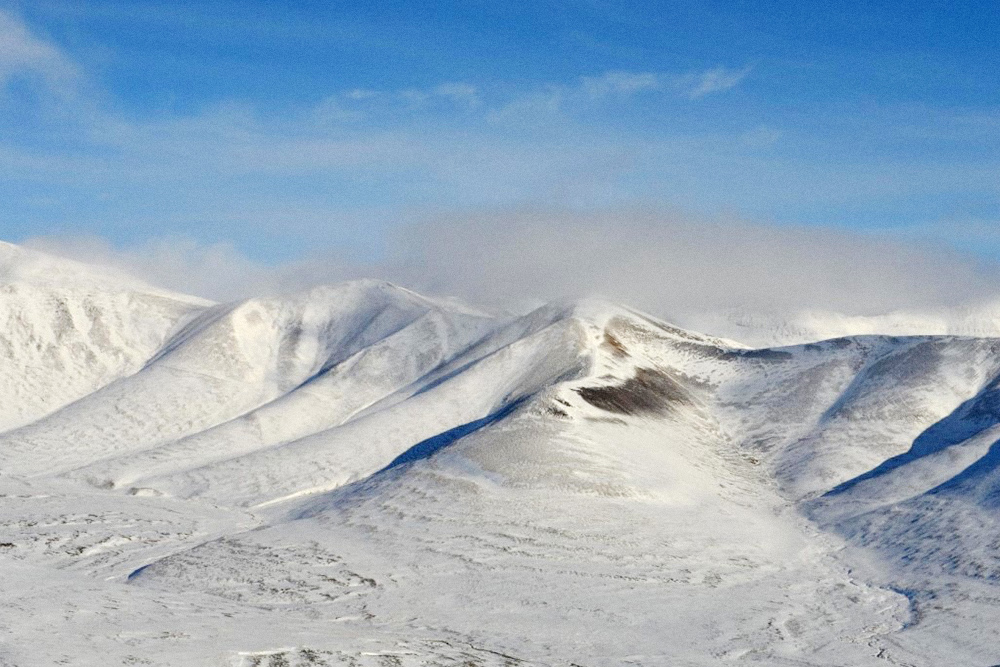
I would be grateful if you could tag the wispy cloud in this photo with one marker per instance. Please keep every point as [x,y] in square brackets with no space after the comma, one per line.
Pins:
[217,271]
[463,93]
[333,111]
[361,94]
[367,154]
[716,80]
[614,87]
[969,233]
[23,53]
[551,100]
[669,265]
[533,107]
[761,136]
[623,83]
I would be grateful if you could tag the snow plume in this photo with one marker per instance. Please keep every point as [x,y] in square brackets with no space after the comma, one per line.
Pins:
[217,271]
[666,264]
[670,266]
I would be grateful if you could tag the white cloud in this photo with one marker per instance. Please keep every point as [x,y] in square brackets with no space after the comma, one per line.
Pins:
[22,52]
[218,168]
[671,266]
[717,80]
[215,271]
[463,94]
[761,136]
[554,100]
[459,92]
[621,83]
[360,94]
[414,97]
[531,108]
[975,234]
[333,111]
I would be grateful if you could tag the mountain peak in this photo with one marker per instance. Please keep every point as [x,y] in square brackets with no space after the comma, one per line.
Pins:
[26,266]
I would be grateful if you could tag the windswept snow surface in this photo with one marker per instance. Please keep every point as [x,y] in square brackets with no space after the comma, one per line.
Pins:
[359,475]
[768,329]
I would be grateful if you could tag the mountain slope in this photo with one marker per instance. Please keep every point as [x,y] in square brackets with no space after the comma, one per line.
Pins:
[67,329]
[356,474]
[567,526]
[228,362]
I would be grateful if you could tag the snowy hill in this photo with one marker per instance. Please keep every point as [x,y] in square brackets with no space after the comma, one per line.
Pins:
[69,329]
[357,474]
[769,329]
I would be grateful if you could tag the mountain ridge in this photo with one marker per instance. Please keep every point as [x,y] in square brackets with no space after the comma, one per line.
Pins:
[551,486]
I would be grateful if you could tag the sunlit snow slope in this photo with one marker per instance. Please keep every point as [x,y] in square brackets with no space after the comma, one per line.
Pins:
[360,475]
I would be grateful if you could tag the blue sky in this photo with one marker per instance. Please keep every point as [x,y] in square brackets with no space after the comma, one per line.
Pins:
[287,128]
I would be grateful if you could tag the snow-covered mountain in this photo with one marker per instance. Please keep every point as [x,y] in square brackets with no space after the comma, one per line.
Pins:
[360,475]
[66,329]
[780,328]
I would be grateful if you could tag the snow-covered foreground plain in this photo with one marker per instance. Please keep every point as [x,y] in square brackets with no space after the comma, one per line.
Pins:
[358,475]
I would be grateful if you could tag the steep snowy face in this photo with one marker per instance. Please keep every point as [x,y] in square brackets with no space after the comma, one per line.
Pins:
[587,378]
[67,329]
[821,414]
[948,474]
[233,362]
